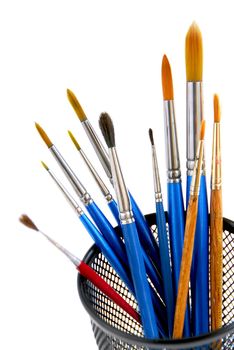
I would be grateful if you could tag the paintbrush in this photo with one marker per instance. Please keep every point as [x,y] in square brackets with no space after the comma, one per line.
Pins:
[97,215]
[151,270]
[163,240]
[176,216]
[216,224]
[132,243]
[146,236]
[86,271]
[189,236]
[194,100]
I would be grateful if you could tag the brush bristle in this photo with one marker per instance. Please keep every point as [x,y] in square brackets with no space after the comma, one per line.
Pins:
[107,129]
[44,165]
[202,130]
[217,113]
[25,220]
[74,140]
[167,84]
[151,136]
[44,136]
[76,105]
[194,53]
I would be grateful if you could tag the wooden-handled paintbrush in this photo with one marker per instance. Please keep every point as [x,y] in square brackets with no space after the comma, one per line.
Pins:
[189,236]
[216,224]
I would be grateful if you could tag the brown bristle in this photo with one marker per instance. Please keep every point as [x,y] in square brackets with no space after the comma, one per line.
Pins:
[76,105]
[217,113]
[107,129]
[25,220]
[44,136]
[194,53]
[74,140]
[167,84]
[202,130]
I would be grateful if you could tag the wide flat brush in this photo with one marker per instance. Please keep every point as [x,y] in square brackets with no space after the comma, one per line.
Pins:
[132,243]
[86,271]
[146,237]
[189,236]
[176,216]
[163,240]
[194,116]
[216,225]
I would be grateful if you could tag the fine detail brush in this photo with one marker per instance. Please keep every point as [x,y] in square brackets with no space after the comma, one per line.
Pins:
[146,237]
[152,272]
[189,236]
[163,240]
[194,116]
[106,249]
[216,224]
[132,243]
[86,271]
[176,216]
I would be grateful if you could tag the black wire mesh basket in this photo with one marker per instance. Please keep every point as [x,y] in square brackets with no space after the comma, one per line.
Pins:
[114,329]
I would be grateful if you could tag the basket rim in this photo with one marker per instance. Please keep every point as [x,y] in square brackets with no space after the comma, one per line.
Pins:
[184,343]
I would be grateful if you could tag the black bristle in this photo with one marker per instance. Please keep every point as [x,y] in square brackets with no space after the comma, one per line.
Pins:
[107,129]
[151,136]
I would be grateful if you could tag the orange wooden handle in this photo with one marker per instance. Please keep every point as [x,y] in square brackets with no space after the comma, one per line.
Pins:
[216,258]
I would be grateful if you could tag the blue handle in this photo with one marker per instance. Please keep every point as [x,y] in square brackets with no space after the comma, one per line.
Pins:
[145,234]
[200,264]
[140,281]
[114,209]
[176,220]
[108,231]
[107,250]
[165,265]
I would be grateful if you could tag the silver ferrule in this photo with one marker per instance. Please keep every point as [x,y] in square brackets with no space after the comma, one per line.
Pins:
[126,215]
[194,116]
[157,184]
[75,182]
[67,195]
[106,193]
[216,170]
[196,177]
[172,150]
[70,256]
[98,147]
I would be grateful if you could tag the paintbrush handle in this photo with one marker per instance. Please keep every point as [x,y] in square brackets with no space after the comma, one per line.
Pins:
[87,272]
[216,258]
[185,267]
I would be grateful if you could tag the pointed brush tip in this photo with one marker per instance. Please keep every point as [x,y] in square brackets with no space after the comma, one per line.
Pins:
[43,135]
[26,221]
[202,130]
[217,114]
[76,105]
[44,165]
[167,84]
[107,129]
[151,136]
[194,53]
[75,142]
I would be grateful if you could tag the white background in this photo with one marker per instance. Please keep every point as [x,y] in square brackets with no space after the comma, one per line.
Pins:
[109,53]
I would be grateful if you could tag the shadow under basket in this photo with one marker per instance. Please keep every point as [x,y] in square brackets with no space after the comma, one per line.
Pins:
[113,328]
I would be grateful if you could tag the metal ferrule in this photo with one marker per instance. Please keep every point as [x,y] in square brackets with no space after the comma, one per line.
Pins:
[157,184]
[194,116]
[98,147]
[70,256]
[97,178]
[67,195]
[172,151]
[196,177]
[75,182]
[216,173]
[126,215]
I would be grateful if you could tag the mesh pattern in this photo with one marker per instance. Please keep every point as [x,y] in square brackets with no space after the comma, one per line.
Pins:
[115,317]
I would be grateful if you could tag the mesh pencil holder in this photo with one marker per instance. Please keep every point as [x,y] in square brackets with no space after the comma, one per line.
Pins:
[115,329]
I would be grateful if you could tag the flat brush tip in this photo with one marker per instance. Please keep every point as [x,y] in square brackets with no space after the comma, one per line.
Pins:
[43,135]
[167,84]
[107,129]
[151,136]
[194,53]
[72,137]
[25,220]
[202,130]
[217,114]
[44,165]
[76,105]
